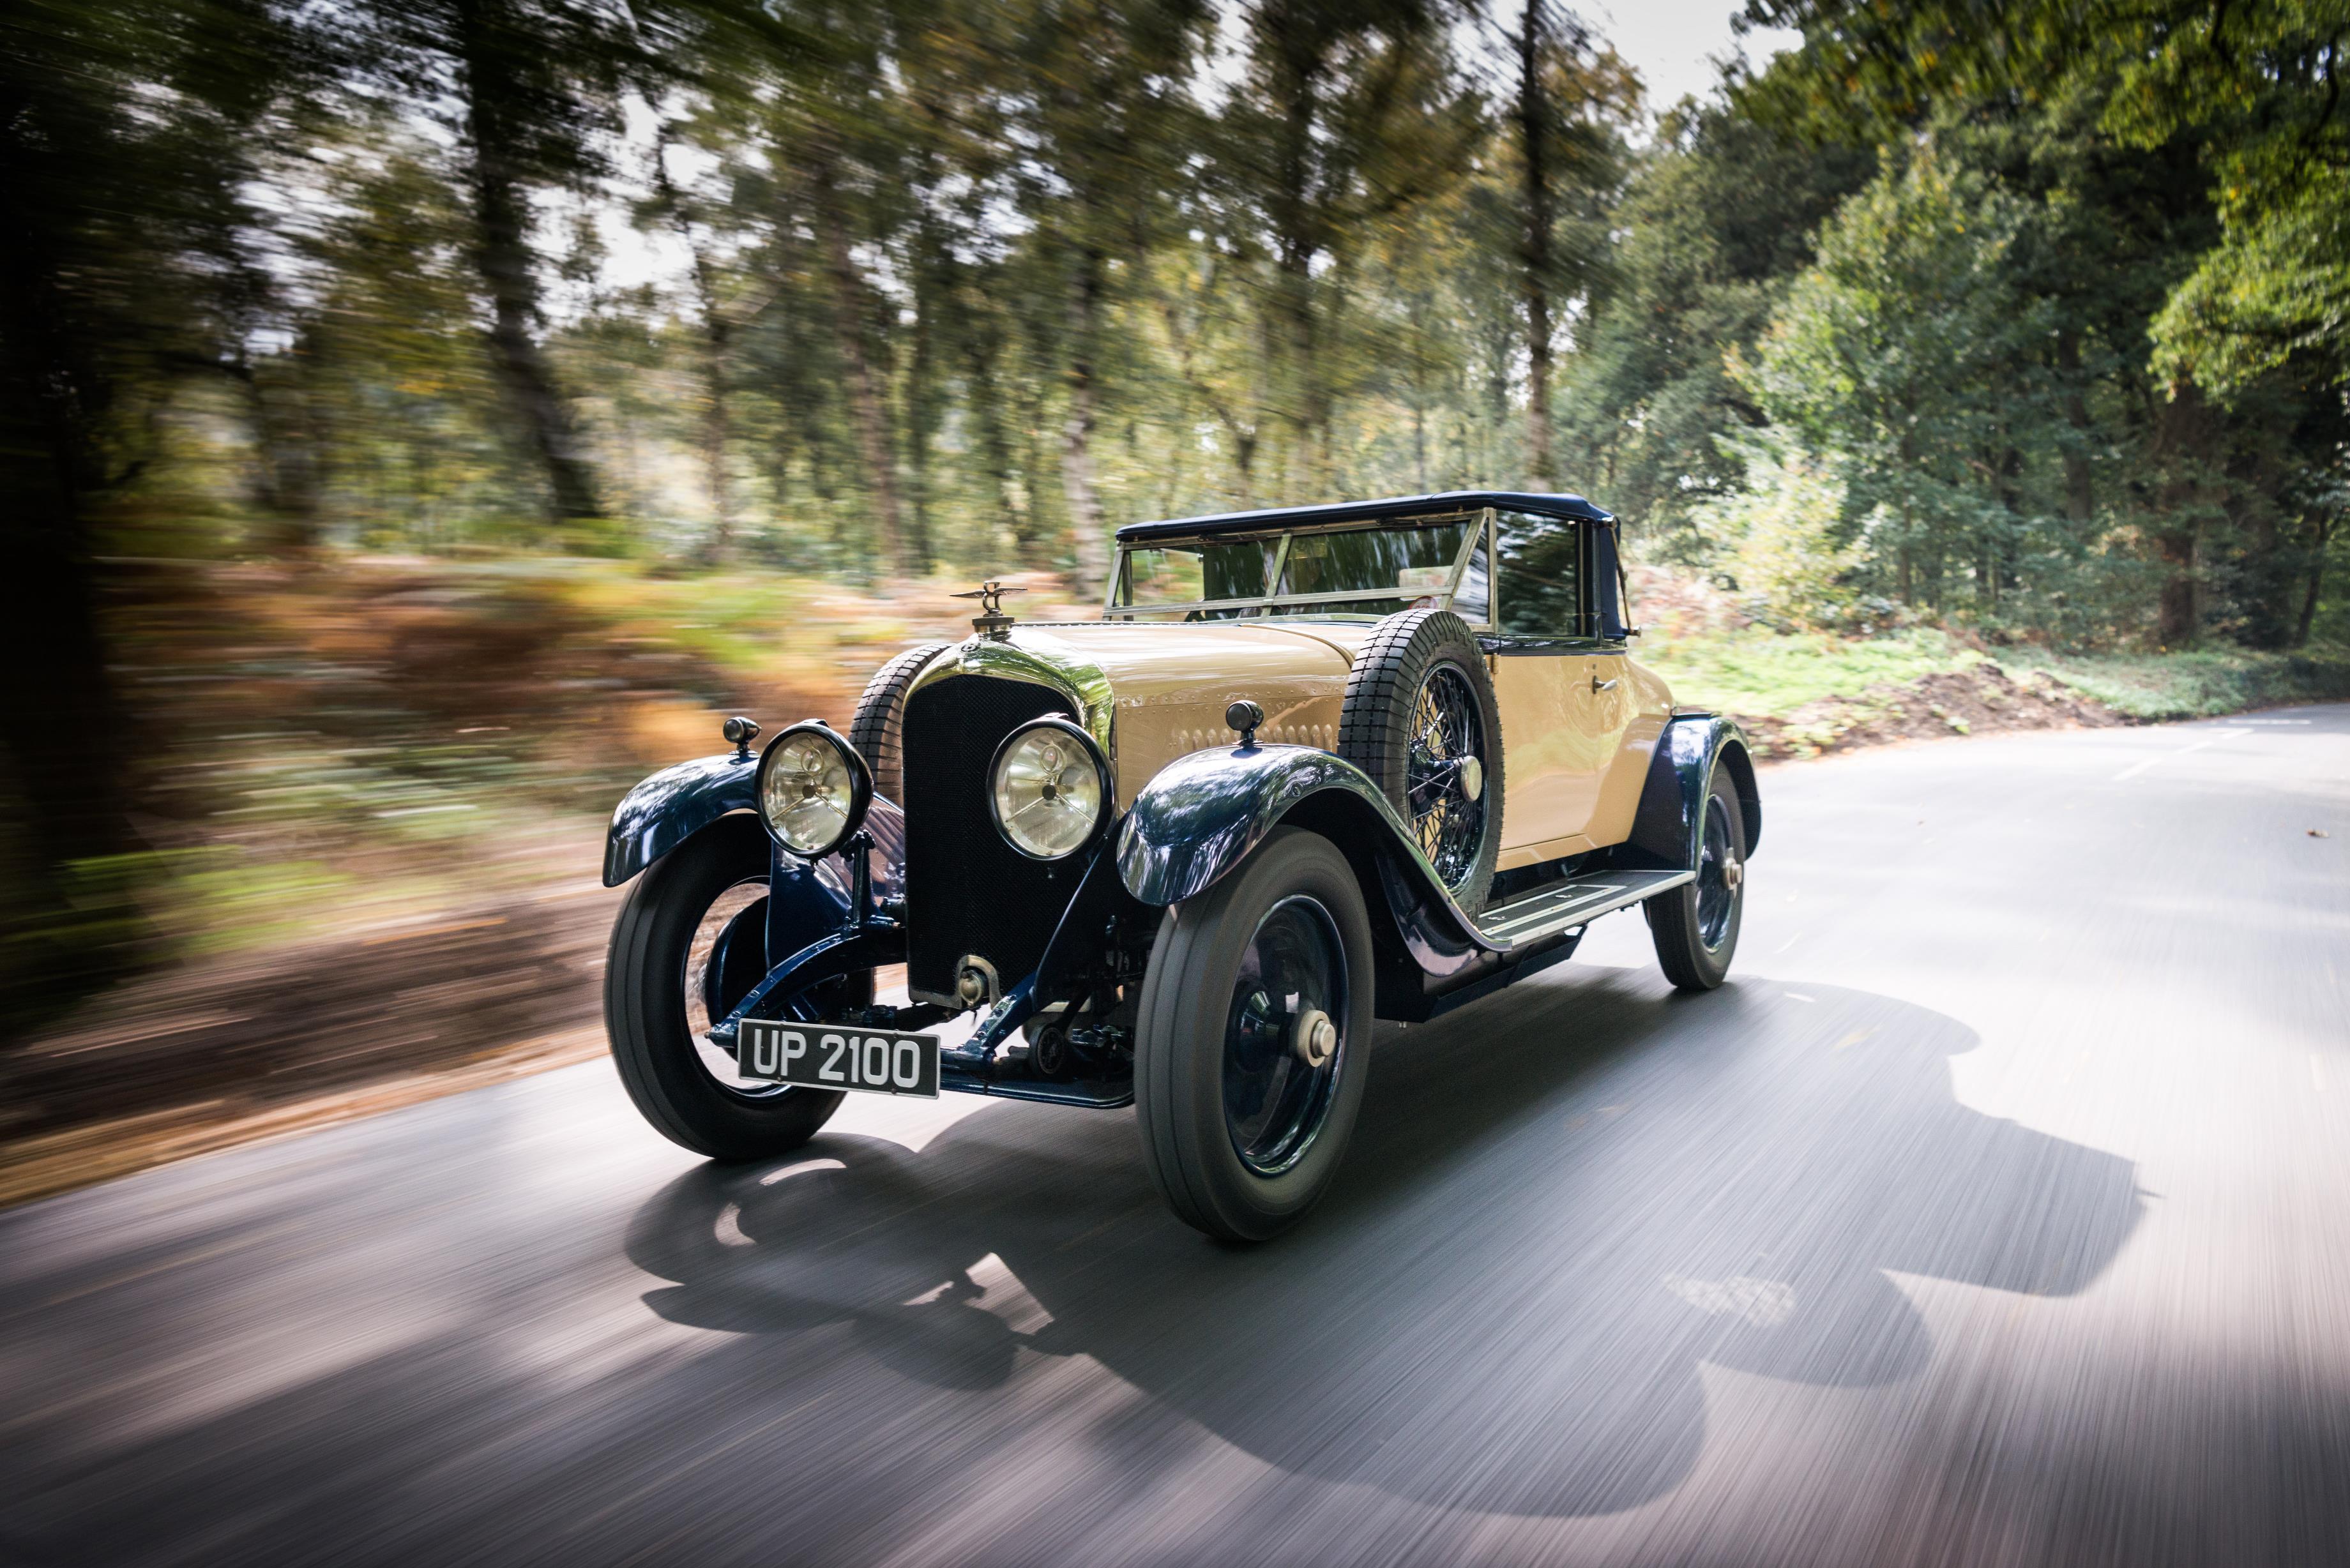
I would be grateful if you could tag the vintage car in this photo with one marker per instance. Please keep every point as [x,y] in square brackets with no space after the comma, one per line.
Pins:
[1311,767]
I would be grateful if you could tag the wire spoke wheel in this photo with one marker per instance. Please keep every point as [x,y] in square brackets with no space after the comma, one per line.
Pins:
[1444,775]
[726,958]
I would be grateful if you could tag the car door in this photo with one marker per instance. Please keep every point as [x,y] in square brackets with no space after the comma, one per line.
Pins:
[1565,699]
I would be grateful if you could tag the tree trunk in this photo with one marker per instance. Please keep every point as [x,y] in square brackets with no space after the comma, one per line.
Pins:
[497,123]
[2316,587]
[982,348]
[924,395]
[2183,426]
[1077,433]
[285,466]
[717,433]
[67,755]
[1535,253]
[1419,443]
[848,317]
[717,334]
[2080,501]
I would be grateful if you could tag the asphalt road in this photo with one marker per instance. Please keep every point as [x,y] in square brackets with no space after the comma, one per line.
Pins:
[1997,1211]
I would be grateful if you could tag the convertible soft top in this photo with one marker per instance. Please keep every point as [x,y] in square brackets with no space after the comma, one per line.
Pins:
[1571,506]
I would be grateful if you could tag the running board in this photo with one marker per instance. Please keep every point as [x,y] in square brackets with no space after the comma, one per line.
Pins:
[1547,911]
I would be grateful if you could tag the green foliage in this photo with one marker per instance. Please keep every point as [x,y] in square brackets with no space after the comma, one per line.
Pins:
[2026,320]
[2158,688]
[1768,674]
[1718,222]
[1784,539]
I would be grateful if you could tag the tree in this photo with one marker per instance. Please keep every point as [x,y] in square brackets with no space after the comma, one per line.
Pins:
[2258,86]
[2250,306]
[1572,100]
[526,87]
[1904,352]
[124,130]
[1098,90]
[1717,223]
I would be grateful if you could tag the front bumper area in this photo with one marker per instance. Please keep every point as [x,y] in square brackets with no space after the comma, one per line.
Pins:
[1095,1054]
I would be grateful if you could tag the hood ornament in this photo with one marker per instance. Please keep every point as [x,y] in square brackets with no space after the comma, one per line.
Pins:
[991,621]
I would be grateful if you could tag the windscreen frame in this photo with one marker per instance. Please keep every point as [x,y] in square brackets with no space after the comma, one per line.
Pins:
[1480,534]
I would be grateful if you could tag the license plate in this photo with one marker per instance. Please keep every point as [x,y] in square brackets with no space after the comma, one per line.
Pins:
[838,1056]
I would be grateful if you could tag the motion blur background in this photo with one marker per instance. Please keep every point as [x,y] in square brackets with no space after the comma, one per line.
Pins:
[421,416]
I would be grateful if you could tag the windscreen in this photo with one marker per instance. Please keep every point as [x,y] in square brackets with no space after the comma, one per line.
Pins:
[1184,574]
[1371,560]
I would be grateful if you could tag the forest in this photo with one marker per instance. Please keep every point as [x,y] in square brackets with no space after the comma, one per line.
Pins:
[2026,320]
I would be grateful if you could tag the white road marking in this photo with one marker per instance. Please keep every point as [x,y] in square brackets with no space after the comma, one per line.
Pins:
[1798,996]
[2134,769]
[1790,942]
[2316,1073]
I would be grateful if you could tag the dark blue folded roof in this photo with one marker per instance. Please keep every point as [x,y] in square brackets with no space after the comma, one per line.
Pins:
[1365,510]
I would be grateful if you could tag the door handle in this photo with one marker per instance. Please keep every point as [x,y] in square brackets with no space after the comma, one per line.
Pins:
[1598,685]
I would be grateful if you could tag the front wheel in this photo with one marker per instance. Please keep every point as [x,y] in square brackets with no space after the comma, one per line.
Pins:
[1255,1028]
[1695,926]
[690,942]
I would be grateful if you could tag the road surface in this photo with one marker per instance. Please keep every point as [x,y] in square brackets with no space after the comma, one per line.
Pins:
[1997,1211]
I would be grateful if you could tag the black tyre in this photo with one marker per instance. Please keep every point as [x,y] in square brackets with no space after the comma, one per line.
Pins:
[1254,1031]
[877,730]
[1420,719]
[690,944]
[1695,926]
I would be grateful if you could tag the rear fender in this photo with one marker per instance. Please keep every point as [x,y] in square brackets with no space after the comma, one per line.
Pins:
[1665,828]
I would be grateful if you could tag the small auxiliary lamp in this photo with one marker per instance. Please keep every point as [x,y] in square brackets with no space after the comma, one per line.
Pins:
[1244,716]
[742,732]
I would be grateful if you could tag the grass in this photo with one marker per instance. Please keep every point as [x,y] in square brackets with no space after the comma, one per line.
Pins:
[1765,674]
[2199,683]
[1768,674]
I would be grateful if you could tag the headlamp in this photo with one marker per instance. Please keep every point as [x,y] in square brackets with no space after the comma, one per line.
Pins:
[812,789]
[1049,787]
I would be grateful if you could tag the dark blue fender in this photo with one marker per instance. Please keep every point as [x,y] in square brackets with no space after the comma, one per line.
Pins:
[675,803]
[670,807]
[1680,774]
[806,901]
[1203,814]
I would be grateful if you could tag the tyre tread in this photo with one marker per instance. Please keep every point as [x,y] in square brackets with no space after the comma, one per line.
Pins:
[1374,721]
[876,731]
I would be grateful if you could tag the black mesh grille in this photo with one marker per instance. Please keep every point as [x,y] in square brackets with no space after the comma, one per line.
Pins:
[967,891]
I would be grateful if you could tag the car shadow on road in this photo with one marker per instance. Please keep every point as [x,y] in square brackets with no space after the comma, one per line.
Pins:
[1559,1204]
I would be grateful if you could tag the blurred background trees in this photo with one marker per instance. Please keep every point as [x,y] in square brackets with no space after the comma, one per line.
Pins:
[2026,320]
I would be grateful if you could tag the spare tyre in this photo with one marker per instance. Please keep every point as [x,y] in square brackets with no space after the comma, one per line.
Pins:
[1420,719]
[878,732]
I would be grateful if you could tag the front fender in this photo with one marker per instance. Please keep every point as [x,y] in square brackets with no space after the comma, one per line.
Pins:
[670,807]
[1202,814]
[677,803]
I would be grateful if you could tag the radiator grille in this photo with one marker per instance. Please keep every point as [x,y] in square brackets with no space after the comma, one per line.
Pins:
[967,891]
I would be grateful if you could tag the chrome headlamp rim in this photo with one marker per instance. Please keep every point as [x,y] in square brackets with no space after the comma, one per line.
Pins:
[1093,753]
[861,786]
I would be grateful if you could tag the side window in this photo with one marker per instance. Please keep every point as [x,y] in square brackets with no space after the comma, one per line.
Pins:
[1542,577]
